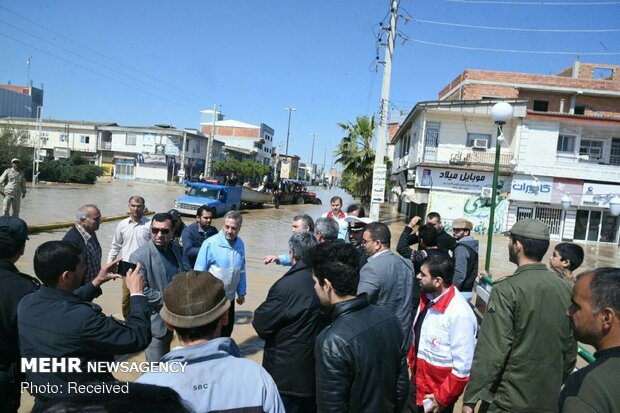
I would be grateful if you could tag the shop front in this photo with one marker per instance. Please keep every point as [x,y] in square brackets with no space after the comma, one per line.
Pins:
[594,221]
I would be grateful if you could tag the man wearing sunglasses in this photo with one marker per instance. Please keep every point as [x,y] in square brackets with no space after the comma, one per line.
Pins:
[161,260]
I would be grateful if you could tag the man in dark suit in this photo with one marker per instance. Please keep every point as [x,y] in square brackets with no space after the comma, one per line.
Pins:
[83,236]
[160,260]
[289,321]
[387,278]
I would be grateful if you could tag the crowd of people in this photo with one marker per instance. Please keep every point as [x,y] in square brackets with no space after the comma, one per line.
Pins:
[351,325]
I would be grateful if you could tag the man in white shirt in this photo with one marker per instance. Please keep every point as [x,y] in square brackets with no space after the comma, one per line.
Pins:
[130,234]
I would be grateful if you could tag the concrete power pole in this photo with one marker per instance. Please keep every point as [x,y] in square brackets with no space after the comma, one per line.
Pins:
[314,135]
[379,174]
[209,157]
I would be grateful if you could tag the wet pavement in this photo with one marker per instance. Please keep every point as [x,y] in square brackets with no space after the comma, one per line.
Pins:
[265,231]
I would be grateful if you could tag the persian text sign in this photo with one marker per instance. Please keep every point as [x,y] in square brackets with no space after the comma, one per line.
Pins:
[378,183]
[453,179]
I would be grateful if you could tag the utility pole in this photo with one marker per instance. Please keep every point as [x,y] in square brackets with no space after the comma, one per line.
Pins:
[324,156]
[182,168]
[312,158]
[379,174]
[37,146]
[209,157]
[28,62]
[288,129]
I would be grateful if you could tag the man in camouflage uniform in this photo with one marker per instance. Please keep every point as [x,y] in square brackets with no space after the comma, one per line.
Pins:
[12,188]
[525,348]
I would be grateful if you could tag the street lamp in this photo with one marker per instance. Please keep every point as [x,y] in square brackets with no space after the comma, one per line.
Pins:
[312,158]
[288,129]
[500,113]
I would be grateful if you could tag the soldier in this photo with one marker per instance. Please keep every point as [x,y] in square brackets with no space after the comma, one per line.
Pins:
[12,188]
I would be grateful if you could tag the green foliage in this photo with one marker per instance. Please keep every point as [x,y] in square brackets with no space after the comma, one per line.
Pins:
[13,144]
[357,157]
[245,170]
[75,170]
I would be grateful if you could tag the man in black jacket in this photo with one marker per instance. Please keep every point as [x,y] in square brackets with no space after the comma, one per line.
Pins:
[360,359]
[83,236]
[289,321]
[445,241]
[59,321]
[13,287]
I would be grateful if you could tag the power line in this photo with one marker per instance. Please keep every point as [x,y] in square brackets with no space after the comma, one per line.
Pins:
[471,26]
[123,64]
[93,61]
[95,72]
[484,49]
[538,3]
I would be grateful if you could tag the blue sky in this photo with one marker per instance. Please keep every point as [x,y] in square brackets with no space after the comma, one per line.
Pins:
[146,62]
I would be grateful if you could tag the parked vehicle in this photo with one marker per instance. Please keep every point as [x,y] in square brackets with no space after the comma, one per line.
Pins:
[253,197]
[219,198]
[292,191]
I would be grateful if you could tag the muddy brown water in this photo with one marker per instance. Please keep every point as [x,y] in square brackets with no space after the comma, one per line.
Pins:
[265,231]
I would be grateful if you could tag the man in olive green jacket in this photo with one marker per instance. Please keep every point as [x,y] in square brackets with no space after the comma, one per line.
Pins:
[525,348]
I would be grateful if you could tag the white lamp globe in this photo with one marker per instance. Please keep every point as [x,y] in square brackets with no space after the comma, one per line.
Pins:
[614,206]
[566,202]
[501,112]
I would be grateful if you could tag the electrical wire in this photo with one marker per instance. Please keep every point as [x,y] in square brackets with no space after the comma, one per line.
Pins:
[471,26]
[538,3]
[484,49]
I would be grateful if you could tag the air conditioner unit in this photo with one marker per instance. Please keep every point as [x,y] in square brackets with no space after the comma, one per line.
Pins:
[480,144]
[486,192]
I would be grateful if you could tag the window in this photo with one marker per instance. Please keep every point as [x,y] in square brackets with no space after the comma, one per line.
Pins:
[64,137]
[580,109]
[475,140]
[84,139]
[130,139]
[405,143]
[591,149]
[602,73]
[566,143]
[541,106]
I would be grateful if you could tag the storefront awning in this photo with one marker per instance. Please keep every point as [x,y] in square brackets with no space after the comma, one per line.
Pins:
[416,196]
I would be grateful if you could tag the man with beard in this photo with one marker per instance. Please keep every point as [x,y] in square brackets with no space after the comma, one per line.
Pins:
[195,234]
[525,348]
[595,319]
[440,371]
[445,242]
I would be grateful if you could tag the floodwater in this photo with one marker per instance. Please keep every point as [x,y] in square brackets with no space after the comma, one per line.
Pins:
[265,231]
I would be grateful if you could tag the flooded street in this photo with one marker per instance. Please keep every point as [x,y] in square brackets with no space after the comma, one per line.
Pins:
[265,231]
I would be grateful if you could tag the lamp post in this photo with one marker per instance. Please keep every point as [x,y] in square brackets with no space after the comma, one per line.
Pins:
[288,129]
[501,113]
[312,158]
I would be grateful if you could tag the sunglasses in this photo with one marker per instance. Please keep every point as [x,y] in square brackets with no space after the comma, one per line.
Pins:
[164,231]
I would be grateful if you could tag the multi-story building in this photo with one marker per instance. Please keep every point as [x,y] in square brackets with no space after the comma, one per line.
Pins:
[20,101]
[563,143]
[128,152]
[258,140]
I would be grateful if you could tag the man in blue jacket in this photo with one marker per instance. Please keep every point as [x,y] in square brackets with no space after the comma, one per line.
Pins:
[195,234]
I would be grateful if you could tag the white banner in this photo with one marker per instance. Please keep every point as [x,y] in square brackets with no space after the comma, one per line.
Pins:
[378,183]
[456,179]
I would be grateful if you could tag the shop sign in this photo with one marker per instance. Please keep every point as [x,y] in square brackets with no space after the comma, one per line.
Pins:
[598,195]
[455,179]
[522,189]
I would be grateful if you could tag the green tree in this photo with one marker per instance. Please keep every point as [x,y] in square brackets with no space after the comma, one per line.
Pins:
[14,144]
[357,157]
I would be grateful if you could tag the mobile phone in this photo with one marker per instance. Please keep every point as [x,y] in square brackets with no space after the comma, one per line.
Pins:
[125,266]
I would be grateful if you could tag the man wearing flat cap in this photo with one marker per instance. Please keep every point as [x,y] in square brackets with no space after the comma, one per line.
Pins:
[13,287]
[12,188]
[525,349]
[216,377]
[465,257]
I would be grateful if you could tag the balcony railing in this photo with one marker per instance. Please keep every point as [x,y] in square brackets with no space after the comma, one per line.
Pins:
[105,145]
[467,157]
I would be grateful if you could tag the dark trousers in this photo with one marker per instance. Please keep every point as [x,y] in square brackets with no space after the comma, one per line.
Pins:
[294,404]
[10,394]
[228,328]
[412,407]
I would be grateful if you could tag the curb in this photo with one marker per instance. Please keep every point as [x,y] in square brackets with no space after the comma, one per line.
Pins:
[47,227]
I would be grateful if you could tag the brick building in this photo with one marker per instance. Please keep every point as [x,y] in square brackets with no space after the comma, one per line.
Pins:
[563,140]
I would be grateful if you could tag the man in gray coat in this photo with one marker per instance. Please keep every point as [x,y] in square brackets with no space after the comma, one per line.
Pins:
[387,278]
[161,261]
[465,257]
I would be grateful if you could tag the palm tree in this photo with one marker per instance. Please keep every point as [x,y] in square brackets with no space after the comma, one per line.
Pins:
[356,155]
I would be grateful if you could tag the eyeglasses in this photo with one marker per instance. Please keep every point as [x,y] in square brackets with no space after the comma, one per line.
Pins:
[164,231]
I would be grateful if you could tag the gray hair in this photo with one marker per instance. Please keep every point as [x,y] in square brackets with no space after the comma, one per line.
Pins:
[235,215]
[82,212]
[605,289]
[327,227]
[300,243]
[306,221]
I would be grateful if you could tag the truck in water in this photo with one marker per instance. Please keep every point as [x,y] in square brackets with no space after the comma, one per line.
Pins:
[220,199]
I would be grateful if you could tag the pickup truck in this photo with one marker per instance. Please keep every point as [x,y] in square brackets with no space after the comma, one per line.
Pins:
[219,198]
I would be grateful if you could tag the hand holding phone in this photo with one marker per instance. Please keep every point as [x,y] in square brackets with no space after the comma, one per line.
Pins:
[125,266]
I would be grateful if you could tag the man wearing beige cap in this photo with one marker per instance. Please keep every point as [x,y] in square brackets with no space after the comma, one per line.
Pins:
[12,188]
[465,257]
[525,349]
[216,376]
